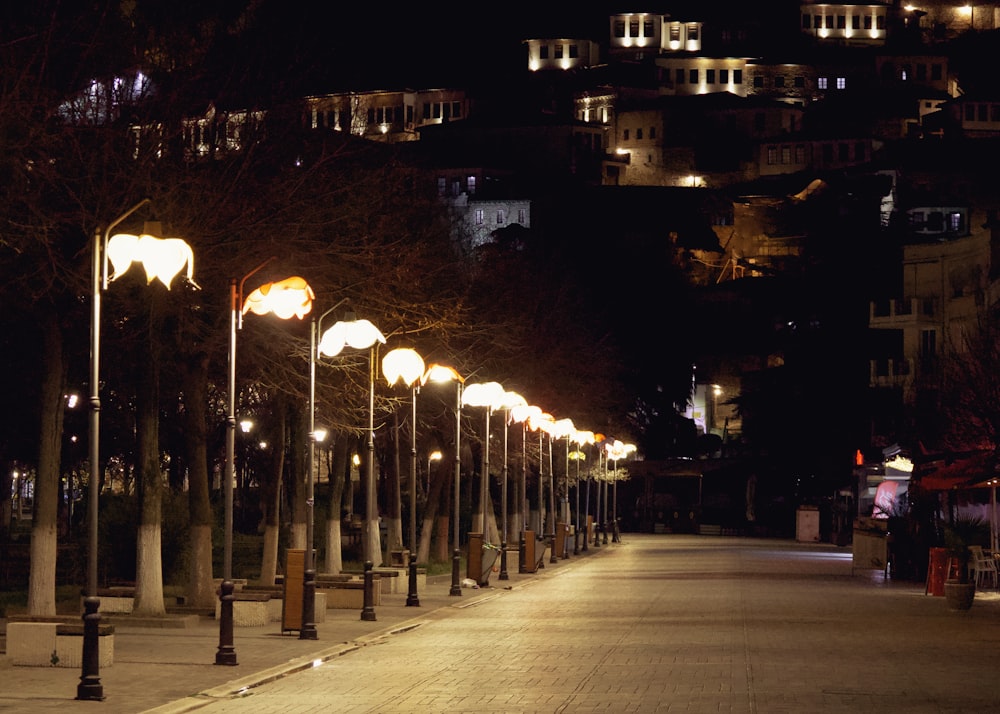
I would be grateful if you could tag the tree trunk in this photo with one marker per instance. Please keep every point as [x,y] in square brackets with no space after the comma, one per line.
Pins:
[42,578]
[394,517]
[200,588]
[271,499]
[148,561]
[439,480]
[339,471]
[299,441]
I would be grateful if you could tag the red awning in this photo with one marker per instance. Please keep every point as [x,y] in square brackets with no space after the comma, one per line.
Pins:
[975,471]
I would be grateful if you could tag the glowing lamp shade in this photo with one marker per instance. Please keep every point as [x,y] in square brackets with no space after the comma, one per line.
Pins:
[439,373]
[483,394]
[583,438]
[359,334]
[562,428]
[542,421]
[402,364]
[519,414]
[288,298]
[162,258]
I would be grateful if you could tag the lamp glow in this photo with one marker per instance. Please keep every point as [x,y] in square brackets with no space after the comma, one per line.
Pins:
[162,258]
[291,297]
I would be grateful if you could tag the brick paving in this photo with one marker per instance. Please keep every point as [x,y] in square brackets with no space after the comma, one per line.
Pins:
[657,623]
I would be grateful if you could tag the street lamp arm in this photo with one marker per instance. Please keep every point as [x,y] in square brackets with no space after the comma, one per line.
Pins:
[103,249]
[237,295]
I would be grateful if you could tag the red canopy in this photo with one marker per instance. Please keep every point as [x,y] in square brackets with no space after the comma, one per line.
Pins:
[976,471]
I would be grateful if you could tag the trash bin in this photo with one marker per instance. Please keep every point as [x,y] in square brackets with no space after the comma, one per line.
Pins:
[937,571]
[807,524]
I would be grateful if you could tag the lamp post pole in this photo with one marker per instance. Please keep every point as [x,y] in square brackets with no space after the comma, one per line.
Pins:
[412,598]
[456,587]
[504,575]
[307,631]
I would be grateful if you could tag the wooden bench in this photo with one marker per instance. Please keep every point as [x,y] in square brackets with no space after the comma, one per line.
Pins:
[346,593]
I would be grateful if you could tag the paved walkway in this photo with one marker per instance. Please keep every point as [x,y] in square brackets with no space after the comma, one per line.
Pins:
[660,623]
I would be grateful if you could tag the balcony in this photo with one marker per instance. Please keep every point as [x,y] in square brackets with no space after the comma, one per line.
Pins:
[890,372]
[902,313]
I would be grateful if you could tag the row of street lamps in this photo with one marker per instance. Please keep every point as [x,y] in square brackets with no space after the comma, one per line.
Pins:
[163,259]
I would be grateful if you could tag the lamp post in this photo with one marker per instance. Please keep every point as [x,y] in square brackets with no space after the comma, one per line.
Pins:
[406,365]
[617,450]
[362,334]
[291,297]
[542,423]
[483,394]
[162,259]
[563,428]
[439,373]
[522,414]
[509,402]
[581,439]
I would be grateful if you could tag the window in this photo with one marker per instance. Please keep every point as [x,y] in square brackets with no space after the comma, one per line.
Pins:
[758,81]
[800,154]
[479,217]
[522,216]
[558,52]
[936,72]
[921,72]
[470,184]
[841,22]
[619,28]
[437,110]
[723,76]
[638,134]
[456,110]
[817,22]
[880,22]
[859,151]
[737,76]
[574,51]
[624,134]
[693,31]
[779,80]
[633,28]
[983,111]
[772,155]
[652,132]
[856,22]
[995,112]
[710,76]
[543,52]
[799,82]
[841,82]
[679,74]
[806,22]
[647,28]
[693,76]
[868,22]
[675,33]
[970,112]
[844,152]
[442,185]
[821,82]
[955,222]
[786,155]
[827,153]
[928,343]
[828,22]
[759,121]
[501,216]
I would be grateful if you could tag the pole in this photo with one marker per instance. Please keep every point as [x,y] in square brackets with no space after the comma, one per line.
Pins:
[504,575]
[456,587]
[307,631]
[412,600]
[225,653]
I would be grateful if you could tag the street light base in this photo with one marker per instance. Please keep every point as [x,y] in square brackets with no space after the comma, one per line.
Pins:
[226,653]
[308,630]
[90,687]
[456,586]
[368,611]
[504,575]
[412,600]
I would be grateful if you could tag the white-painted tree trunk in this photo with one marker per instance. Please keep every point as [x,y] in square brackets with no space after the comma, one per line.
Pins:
[201,590]
[42,582]
[334,547]
[149,573]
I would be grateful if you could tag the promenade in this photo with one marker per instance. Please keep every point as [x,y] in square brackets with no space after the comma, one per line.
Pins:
[657,623]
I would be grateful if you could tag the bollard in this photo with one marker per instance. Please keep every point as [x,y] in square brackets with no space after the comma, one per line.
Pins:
[604,530]
[411,597]
[368,611]
[456,585]
[616,537]
[308,630]
[90,687]
[226,654]
[504,575]
[597,535]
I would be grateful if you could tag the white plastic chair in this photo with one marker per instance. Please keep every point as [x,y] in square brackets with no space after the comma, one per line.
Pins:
[982,566]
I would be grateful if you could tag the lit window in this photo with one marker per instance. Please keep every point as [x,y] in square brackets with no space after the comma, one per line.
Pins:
[786,154]
[470,184]
[522,216]
[501,217]
[955,221]
[479,217]
[841,82]
[675,33]
[772,155]
[821,82]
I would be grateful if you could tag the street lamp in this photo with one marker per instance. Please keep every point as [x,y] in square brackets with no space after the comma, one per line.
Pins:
[439,373]
[617,450]
[483,394]
[162,259]
[521,414]
[581,439]
[291,297]
[362,334]
[406,365]
[542,423]
[509,401]
[563,428]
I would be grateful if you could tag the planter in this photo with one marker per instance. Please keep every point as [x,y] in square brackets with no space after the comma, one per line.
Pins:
[958,595]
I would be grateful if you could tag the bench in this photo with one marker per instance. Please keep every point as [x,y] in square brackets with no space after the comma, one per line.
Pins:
[274,602]
[250,609]
[394,581]
[346,593]
[52,642]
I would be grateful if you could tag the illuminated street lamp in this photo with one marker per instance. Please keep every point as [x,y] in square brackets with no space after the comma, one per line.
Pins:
[508,402]
[285,299]
[563,428]
[617,450]
[162,259]
[439,373]
[407,366]
[581,439]
[542,422]
[362,334]
[521,414]
[483,394]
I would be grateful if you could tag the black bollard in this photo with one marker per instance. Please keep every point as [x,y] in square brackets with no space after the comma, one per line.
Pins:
[90,687]
[456,585]
[308,630]
[411,597]
[604,530]
[616,537]
[368,611]
[504,575]
[226,654]
[597,535]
